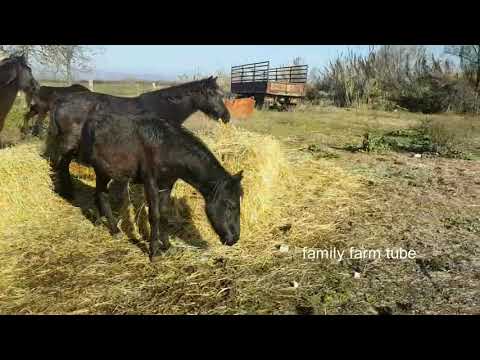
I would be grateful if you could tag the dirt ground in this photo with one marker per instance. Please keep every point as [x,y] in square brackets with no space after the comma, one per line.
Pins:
[428,204]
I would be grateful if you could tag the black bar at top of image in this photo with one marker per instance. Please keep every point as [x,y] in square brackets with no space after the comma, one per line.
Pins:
[197,24]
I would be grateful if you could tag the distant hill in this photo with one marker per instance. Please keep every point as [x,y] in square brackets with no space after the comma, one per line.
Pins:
[117,76]
[103,75]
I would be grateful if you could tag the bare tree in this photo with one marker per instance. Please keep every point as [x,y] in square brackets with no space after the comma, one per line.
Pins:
[63,59]
[196,75]
[69,58]
[223,80]
[469,56]
[183,77]
[298,61]
[26,50]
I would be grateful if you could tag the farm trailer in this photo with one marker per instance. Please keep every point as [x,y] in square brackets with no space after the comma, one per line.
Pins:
[281,87]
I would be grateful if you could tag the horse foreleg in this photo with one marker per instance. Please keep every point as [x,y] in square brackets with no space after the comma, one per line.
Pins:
[164,202]
[64,181]
[156,245]
[28,99]
[102,201]
[26,120]
[37,127]
[127,211]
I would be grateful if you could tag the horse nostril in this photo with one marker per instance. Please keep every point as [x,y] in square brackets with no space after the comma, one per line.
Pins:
[230,239]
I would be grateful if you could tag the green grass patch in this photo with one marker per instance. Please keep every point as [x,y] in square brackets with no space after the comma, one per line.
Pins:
[450,138]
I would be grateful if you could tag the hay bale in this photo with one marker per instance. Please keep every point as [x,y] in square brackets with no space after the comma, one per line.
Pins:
[265,170]
[25,185]
[265,167]
[54,260]
[277,187]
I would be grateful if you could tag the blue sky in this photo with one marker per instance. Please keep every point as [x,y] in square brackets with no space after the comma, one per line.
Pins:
[169,61]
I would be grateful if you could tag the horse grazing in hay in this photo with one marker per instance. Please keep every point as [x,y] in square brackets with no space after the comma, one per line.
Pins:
[174,104]
[144,148]
[42,101]
[15,75]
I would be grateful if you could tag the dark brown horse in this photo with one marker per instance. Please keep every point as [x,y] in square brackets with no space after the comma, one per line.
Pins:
[15,75]
[146,149]
[42,101]
[174,104]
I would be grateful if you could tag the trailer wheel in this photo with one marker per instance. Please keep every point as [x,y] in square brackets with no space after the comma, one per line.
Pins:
[290,107]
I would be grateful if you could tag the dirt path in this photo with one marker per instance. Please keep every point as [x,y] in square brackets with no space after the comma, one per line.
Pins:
[431,206]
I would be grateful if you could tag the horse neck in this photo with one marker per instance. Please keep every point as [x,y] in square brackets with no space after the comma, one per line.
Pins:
[201,170]
[178,109]
[8,94]
[184,109]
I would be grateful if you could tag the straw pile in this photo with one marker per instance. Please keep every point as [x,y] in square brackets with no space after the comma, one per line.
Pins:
[53,259]
[265,169]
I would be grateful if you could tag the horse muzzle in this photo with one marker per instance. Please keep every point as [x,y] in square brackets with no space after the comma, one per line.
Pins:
[225,118]
[230,239]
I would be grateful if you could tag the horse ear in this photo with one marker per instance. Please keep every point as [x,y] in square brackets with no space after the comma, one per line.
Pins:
[21,57]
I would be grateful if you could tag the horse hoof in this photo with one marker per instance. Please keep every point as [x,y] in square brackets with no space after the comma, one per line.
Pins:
[165,246]
[68,196]
[155,259]
[116,235]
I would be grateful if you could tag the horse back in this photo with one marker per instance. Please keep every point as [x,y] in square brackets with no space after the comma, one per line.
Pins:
[70,112]
[111,142]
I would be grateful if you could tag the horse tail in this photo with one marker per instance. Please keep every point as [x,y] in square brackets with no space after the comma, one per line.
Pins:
[53,127]
[51,143]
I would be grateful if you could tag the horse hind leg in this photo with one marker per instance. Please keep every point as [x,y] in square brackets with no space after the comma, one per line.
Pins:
[60,150]
[26,121]
[63,181]
[102,202]
[158,240]
[164,202]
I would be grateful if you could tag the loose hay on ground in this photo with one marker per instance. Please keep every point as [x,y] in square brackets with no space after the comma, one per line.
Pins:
[54,260]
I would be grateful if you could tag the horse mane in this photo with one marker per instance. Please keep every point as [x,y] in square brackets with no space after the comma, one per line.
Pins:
[191,87]
[198,147]
[153,130]
[6,61]
[12,59]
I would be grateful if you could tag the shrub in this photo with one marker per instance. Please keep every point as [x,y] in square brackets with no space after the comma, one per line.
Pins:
[395,77]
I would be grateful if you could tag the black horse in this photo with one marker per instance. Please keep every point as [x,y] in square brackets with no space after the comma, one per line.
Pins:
[15,75]
[146,149]
[42,101]
[174,104]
